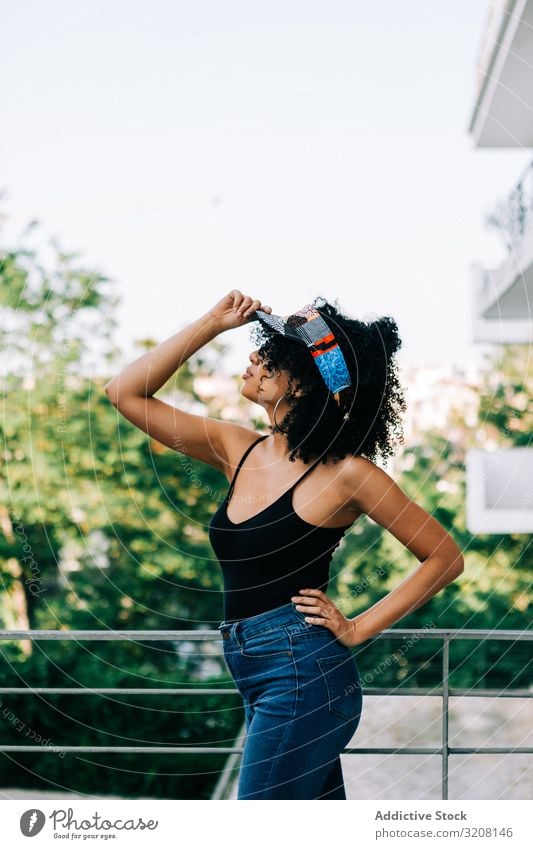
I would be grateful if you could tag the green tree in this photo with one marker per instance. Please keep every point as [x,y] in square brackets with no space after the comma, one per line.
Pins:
[101,528]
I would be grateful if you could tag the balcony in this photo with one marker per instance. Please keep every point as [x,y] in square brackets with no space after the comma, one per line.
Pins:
[503,110]
[499,491]
[225,787]
[502,297]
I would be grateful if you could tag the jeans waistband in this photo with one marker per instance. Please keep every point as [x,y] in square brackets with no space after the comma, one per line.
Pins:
[286,614]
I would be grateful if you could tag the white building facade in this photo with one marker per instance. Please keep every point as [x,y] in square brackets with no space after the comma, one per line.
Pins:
[500,482]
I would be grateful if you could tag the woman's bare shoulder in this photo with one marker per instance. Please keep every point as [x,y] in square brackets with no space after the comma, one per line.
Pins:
[358,473]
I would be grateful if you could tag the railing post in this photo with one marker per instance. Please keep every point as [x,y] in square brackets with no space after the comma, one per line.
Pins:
[445,703]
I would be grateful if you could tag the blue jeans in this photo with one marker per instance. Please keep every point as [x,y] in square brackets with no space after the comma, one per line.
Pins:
[303,699]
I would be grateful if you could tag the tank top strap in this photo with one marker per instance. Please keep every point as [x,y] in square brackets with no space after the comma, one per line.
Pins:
[309,469]
[241,461]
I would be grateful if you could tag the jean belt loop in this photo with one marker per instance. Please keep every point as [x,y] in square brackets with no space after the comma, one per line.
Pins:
[225,630]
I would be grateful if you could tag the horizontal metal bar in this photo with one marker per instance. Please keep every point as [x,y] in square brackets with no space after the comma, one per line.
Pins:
[155,750]
[424,634]
[498,694]
[119,691]
[227,750]
[492,750]
[109,635]
[211,691]
[473,692]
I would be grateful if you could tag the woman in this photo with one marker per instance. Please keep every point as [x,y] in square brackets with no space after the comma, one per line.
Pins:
[330,388]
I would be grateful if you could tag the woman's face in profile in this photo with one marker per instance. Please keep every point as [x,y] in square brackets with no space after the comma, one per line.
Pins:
[262,384]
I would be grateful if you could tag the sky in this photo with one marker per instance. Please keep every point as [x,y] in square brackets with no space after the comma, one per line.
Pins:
[286,148]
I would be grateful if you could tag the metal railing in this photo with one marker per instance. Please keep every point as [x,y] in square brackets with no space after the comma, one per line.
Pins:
[445,692]
[511,217]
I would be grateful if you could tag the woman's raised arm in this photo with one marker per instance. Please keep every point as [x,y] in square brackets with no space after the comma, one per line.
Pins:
[131,391]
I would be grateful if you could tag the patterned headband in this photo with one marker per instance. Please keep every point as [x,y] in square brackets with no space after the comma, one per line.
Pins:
[307,327]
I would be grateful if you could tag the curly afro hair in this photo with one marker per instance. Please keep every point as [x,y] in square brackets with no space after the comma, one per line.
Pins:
[314,424]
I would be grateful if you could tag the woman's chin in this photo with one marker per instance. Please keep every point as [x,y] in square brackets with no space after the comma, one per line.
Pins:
[249,393]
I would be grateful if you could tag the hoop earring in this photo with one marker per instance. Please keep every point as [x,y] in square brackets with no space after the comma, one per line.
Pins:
[276,426]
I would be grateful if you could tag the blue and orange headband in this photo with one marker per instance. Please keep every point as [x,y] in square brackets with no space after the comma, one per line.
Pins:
[307,327]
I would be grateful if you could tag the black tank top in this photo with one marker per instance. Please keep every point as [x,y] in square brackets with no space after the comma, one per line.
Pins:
[271,556]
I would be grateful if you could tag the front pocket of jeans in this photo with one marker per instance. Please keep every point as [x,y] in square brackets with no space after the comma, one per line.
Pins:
[342,685]
[272,643]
